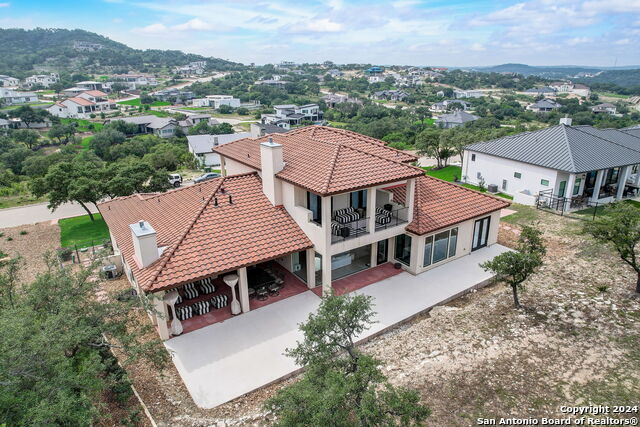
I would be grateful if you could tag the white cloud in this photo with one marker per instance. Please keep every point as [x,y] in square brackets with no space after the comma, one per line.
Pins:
[194,24]
[152,29]
[5,4]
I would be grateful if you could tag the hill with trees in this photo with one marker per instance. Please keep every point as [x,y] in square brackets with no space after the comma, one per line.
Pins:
[24,52]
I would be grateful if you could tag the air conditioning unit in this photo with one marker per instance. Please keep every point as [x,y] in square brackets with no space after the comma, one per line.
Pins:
[492,188]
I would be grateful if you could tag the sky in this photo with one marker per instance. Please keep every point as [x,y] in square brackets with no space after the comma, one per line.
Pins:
[403,32]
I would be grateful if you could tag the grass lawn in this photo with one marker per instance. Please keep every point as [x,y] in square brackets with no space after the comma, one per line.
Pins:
[19,200]
[85,142]
[427,121]
[136,103]
[83,232]
[83,125]
[157,113]
[448,173]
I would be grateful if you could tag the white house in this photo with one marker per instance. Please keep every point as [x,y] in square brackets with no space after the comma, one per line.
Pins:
[202,146]
[544,106]
[12,97]
[287,115]
[215,101]
[44,80]
[134,81]
[573,88]
[449,104]
[605,108]
[581,165]
[8,82]
[468,93]
[82,106]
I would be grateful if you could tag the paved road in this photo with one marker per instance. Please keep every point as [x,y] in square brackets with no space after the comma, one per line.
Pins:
[30,214]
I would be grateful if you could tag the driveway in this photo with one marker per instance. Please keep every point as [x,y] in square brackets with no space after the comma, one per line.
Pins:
[30,214]
[226,360]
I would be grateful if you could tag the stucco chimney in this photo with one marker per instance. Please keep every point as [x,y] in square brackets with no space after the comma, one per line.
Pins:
[145,243]
[565,121]
[271,162]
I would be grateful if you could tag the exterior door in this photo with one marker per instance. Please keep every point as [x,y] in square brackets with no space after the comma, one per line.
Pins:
[562,188]
[382,254]
[480,233]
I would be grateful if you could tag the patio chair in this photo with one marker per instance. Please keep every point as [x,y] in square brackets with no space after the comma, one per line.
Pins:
[262,293]
[274,289]
[252,293]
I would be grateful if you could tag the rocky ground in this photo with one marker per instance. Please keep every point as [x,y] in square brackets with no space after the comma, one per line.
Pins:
[30,242]
[577,341]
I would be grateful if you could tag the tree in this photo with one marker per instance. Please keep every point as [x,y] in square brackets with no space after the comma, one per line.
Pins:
[28,115]
[80,181]
[430,143]
[340,382]
[619,228]
[62,132]
[514,267]
[132,175]
[102,142]
[55,336]
[28,137]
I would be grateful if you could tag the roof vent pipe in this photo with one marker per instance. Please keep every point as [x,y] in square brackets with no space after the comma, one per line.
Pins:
[230,200]
[215,201]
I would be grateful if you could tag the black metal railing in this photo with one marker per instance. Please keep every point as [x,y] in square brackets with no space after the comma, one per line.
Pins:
[398,216]
[561,205]
[349,230]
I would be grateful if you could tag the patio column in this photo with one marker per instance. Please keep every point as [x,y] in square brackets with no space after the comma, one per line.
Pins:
[374,254]
[410,197]
[311,268]
[161,315]
[326,274]
[371,209]
[623,175]
[243,286]
[568,192]
[636,182]
[598,186]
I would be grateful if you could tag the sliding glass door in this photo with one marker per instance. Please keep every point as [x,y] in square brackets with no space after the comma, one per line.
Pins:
[481,233]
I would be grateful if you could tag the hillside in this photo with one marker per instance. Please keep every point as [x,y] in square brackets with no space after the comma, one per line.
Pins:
[24,51]
[624,78]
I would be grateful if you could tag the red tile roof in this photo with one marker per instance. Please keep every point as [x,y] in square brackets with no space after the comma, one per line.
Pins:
[440,204]
[327,160]
[202,239]
[97,93]
[81,101]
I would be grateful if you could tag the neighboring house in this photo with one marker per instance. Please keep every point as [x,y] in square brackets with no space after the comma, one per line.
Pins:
[449,104]
[86,46]
[376,78]
[541,91]
[201,146]
[390,95]
[468,93]
[192,68]
[317,204]
[582,162]
[4,124]
[83,106]
[605,107]
[134,81]
[288,115]
[455,119]
[178,96]
[9,82]
[91,85]
[335,73]
[13,97]
[260,129]
[44,80]
[73,91]
[164,127]
[216,101]
[544,106]
[333,99]
[569,87]
[272,82]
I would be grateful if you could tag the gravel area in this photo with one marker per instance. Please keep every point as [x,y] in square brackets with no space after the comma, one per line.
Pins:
[39,239]
[576,341]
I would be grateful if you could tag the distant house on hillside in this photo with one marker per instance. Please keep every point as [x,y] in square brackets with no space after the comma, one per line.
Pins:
[164,127]
[134,81]
[605,107]
[544,106]
[260,129]
[455,119]
[271,82]
[44,80]
[468,93]
[390,95]
[7,82]
[569,87]
[215,101]
[174,95]
[449,104]
[541,91]
[288,115]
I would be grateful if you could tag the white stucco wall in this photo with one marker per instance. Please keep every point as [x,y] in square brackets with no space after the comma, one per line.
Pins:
[496,169]
[234,167]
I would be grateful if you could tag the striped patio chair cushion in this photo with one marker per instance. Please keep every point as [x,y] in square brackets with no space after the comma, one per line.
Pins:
[335,228]
[191,293]
[207,287]
[382,211]
[383,219]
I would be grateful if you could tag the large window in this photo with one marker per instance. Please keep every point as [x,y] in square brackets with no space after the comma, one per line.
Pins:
[440,247]
[314,204]
[359,199]
[403,249]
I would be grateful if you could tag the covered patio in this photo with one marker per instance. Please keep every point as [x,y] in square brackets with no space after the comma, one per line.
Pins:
[221,362]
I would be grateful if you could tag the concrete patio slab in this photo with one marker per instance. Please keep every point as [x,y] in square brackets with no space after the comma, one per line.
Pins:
[225,360]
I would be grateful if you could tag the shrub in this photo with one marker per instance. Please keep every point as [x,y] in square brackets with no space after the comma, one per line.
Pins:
[64,254]
[24,232]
